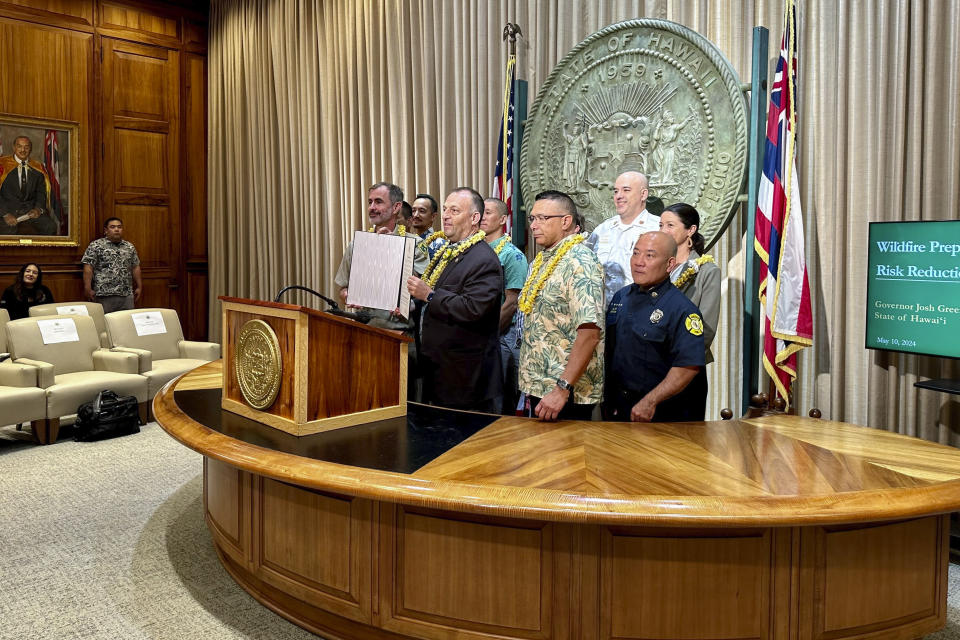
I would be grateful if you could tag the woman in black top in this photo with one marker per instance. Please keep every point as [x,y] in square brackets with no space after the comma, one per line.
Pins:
[26,291]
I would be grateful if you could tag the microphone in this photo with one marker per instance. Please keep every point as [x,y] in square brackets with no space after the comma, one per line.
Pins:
[329,301]
[359,316]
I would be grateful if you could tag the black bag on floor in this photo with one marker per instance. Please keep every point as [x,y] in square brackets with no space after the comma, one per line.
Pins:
[109,416]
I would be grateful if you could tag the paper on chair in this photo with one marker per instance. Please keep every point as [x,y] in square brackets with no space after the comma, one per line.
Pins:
[378,275]
[148,323]
[58,330]
[73,310]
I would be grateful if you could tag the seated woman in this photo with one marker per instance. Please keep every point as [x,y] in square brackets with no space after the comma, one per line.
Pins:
[696,275]
[26,291]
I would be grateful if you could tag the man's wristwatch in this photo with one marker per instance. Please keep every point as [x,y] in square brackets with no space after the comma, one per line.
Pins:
[563,384]
[430,296]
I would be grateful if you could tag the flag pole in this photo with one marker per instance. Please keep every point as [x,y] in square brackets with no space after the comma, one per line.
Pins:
[779,230]
[751,270]
[517,92]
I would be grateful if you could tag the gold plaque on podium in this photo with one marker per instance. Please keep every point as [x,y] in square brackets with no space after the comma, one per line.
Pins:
[258,366]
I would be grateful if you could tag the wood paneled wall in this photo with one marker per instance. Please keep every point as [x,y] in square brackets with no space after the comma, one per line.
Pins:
[133,76]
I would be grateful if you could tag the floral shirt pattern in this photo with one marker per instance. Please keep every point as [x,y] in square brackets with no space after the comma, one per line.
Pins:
[572,296]
[433,247]
[113,264]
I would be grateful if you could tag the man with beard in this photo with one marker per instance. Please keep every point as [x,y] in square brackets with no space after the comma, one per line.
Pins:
[384,201]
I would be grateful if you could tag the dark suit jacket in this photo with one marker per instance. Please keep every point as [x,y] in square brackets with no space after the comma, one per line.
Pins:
[16,201]
[461,331]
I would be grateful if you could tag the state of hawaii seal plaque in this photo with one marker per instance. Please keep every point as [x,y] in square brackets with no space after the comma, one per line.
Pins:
[643,95]
[258,366]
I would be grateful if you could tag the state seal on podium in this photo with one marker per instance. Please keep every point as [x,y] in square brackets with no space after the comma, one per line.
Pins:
[258,366]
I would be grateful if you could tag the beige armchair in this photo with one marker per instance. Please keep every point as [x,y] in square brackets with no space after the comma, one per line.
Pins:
[21,400]
[76,369]
[155,336]
[93,309]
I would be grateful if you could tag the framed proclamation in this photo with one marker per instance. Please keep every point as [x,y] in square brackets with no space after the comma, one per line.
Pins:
[378,275]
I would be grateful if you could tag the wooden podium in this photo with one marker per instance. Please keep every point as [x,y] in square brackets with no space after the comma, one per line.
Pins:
[334,372]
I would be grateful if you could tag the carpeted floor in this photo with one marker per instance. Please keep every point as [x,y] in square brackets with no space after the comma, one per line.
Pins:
[106,540]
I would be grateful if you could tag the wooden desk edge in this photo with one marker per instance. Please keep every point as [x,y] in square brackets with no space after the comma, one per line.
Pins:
[554,505]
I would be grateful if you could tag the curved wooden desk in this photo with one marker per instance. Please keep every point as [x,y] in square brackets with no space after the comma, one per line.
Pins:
[445,525]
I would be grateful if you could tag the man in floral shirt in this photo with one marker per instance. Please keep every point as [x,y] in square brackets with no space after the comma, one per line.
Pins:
[561,353]
[111,269]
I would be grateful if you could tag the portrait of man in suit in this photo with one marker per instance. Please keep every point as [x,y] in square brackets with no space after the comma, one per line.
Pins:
[38,167]
[25,193]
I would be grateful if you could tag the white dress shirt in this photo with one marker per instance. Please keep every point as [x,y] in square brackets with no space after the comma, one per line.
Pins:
[613,241]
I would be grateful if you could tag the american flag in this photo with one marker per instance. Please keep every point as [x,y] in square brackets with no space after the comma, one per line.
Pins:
[51,164]
[503,173]
[784,286]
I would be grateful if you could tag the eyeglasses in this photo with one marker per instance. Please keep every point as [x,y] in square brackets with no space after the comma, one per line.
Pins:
[542,219]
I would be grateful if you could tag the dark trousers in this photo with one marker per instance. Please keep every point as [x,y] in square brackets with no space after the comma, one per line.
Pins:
[687,406]
[570,411]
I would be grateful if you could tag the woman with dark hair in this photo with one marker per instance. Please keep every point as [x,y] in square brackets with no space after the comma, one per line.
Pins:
[696,275]
[26,291]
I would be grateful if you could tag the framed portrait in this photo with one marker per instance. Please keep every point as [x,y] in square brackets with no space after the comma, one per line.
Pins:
[39,181]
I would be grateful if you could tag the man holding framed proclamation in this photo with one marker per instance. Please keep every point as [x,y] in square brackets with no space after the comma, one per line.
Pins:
[460,319]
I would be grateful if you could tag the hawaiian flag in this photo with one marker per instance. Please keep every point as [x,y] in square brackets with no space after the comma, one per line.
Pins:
[784,286]
[51,164]
[503,173]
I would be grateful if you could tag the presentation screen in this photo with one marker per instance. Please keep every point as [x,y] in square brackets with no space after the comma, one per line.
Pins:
[913,287]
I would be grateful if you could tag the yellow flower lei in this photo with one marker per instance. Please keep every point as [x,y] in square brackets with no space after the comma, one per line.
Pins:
[424,245]
[691,272]
[401,230]
[434,269]
[536,281]
[503,242]
[433,236]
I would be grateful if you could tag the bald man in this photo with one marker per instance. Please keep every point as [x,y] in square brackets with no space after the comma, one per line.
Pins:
[654,345]
[614,238]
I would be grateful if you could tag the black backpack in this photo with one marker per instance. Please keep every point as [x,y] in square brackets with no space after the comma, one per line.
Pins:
[109,416]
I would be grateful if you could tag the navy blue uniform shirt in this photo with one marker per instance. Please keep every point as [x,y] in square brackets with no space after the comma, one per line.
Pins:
[648,332]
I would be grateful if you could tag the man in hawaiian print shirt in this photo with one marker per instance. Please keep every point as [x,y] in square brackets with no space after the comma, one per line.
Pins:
[561,352]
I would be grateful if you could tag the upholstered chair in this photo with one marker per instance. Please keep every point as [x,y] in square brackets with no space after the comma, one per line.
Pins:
[83,308]
[73,368]
[21,399]
[156,338]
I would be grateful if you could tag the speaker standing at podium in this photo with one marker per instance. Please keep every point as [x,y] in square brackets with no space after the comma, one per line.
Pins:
[384,201]
[460,319]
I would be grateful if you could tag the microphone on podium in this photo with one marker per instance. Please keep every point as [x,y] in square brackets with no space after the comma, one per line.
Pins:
[333,304]
[359,316]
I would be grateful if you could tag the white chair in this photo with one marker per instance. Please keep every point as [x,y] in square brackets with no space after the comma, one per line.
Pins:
[156,337]
[78,308]
[72,368]
[21,400]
